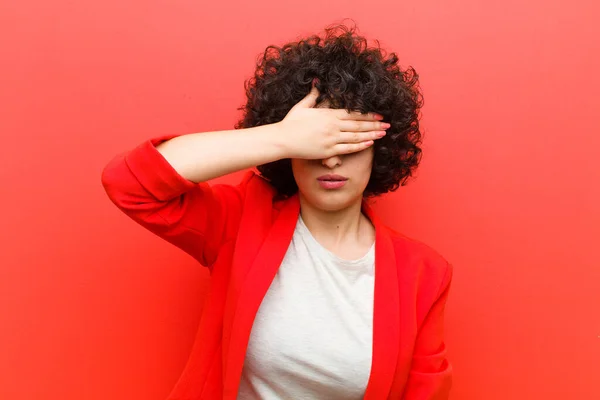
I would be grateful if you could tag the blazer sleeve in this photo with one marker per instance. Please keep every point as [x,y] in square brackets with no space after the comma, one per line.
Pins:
[430,376]
[196,217]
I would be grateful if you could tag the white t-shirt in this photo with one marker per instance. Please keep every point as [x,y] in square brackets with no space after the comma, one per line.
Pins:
[313,333]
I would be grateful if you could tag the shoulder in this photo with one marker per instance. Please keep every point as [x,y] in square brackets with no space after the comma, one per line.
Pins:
[421,264]
[250,188]
[259,194]
[251,195]
[254,184]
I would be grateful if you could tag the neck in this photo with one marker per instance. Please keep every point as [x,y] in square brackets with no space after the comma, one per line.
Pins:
[336,228]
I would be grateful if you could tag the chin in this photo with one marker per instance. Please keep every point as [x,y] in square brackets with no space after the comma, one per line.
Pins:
[330,201]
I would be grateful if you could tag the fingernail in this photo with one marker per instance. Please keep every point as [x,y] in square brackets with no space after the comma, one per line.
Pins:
[378,116]
[385,125]
[315,81]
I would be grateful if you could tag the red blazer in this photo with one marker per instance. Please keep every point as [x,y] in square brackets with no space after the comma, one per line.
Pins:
[241,234]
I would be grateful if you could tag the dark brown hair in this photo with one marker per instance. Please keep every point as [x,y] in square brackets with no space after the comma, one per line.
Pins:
[350,75]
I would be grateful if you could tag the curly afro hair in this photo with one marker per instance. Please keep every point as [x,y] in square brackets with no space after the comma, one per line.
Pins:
[350,75]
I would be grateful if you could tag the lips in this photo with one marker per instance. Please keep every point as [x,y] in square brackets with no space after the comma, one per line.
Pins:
[332,178]
[332,181]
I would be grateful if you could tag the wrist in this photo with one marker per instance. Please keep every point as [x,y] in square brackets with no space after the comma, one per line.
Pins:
[277,140]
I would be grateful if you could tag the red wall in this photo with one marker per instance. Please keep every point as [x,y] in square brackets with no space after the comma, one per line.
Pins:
[94,307]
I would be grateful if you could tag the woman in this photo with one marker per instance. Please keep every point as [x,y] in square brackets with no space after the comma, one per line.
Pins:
[312,296]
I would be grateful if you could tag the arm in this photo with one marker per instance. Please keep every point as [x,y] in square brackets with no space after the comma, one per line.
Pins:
[430,375]
[161,185]
[200,157]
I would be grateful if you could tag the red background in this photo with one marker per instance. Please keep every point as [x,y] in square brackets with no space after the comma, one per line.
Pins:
[94,307]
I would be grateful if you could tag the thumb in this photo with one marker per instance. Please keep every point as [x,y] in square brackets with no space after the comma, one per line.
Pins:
[310,100]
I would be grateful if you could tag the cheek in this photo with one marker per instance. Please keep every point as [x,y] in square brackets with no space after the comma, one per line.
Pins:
[301,170]
[363,163]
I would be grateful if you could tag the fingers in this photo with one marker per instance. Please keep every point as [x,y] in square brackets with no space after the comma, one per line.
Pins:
[310,100]
[347,148]
[357,137]
[362,126]
[355,115]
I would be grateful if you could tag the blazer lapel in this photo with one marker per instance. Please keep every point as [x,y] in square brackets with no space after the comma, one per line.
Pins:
[252,291]
[386,318]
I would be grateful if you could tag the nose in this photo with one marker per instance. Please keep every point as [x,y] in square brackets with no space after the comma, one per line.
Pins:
[332,162]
